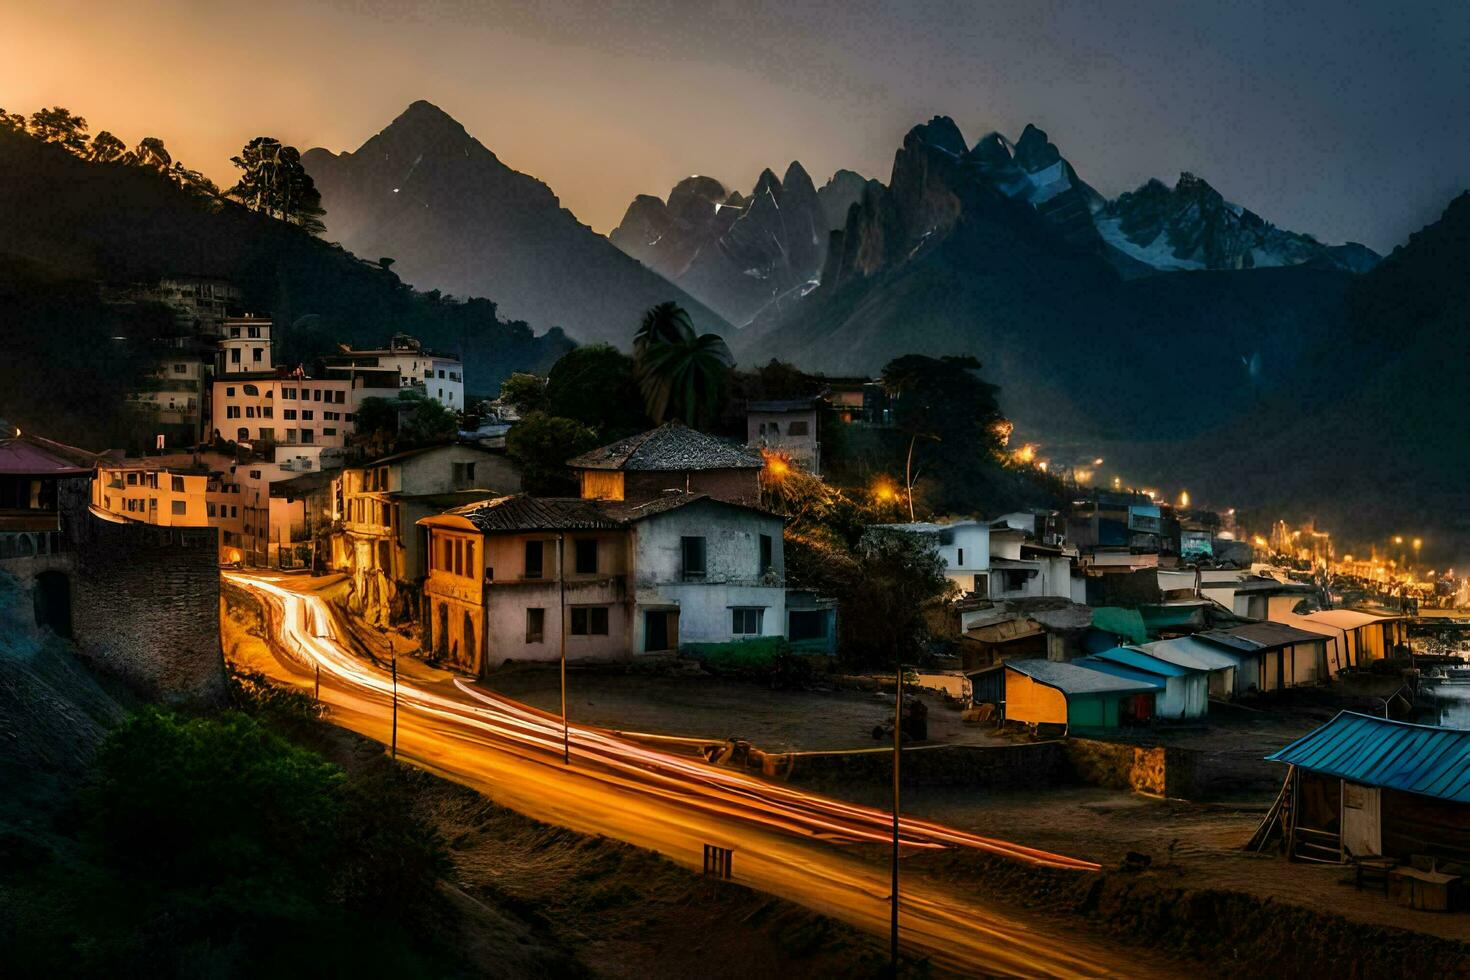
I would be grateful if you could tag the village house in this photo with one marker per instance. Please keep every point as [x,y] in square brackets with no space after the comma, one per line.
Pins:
[378,505]
[1363,787]
[244,345]
[507,577]
[1354,639]
[288,408]
[1272,656]
[436,376]
[787,428]
[670,459]
[1184,691]
[963,546]
[1066,697]
[177,490]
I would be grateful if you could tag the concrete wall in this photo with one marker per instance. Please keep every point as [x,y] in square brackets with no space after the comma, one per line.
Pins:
[732,570]
[433,472]
[145,601]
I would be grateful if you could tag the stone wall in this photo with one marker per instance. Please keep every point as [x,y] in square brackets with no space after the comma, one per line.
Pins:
[145,602]
[1025,765]
[1158,770]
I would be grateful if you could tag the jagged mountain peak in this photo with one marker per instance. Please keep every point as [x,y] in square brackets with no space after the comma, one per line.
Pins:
[1034,151]
[941,133]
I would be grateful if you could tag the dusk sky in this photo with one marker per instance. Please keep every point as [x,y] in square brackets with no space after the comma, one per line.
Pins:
[1347,120]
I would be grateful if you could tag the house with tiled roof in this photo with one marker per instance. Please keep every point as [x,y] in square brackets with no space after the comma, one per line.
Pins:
[516,577]
[671,458]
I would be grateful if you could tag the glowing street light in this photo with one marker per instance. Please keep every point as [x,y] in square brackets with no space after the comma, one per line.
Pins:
[1183,498]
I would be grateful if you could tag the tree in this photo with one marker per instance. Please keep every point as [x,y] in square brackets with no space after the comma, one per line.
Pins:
[14,121]
[275,183]
[523,392]
[151,153]
[423,421]
[58,125]
[541,444]
[681,375]
[192,181]
[882,612]
[595,385]
[950,417]
[106,148]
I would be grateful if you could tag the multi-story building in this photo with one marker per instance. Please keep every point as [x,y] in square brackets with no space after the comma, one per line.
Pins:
[178,490]
[174,399]
[378,506]
[245,345]
[788,428]
[437,376]
[509,578]
[279,408]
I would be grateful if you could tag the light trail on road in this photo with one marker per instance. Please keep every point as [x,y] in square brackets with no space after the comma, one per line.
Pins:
[674,805]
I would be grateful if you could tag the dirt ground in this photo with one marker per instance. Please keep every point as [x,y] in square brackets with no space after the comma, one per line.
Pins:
[707,707]
[1192,845]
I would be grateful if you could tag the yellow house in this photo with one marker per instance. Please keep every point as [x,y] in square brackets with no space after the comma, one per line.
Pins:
[178,490]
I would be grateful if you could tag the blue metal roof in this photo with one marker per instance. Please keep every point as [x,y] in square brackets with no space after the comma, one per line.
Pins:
[1121,670]
[1422,759]
[1138,660]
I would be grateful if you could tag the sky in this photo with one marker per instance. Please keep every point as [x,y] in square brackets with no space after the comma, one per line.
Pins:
[1349,120]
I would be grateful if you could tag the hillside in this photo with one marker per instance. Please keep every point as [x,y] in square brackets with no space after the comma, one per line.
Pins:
[70,225]
[457,219]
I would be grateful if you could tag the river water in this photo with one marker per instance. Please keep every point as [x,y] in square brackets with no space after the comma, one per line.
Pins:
[1450,707]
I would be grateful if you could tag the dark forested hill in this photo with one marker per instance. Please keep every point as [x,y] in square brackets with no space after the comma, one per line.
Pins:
[67,225]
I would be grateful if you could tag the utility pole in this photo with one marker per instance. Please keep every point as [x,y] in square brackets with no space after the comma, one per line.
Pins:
[897,749]
[395,707]
[561,588]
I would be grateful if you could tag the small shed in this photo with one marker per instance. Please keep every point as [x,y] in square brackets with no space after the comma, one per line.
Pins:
[1186,692]
[1283,655]
[1361,785]
[1044,692]
[1221,668]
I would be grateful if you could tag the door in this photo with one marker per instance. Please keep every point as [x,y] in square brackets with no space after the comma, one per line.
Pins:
[655,631]
[1362,824]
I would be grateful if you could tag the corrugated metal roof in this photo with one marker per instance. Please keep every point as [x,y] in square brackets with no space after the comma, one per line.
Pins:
[672,446]
[1423,759]
[1187,651]
[1347,619]
[1073,680]
[1138,660]
[1252,637]
[1121,670]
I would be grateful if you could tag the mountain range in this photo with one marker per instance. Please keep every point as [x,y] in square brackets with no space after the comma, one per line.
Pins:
[742,255]
[456,219]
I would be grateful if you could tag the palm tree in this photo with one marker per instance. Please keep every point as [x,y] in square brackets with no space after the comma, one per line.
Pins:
[681,375]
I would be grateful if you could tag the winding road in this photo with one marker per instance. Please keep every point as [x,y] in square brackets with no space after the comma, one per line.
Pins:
[786,842]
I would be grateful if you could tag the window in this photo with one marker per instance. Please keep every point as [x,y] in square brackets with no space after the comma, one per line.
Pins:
[255,354]
[746,622]
[266,412]
[767,560]
[250,390]
[960,561]
[692,553]
[253,333]
[232,411]
[308,415]
[798,428]
[234,355]
[469,552]
[316,394]
[250,411]
[329,432]
[338,397]
[234,511]
[289,413]
[586,556]
[242,434]
[132,479]
[441,372]
[230,392]
[307,437]
[180,368]
[458,557]
[535,625]
[589,621]
[177,484]
[288,393]
[208,508]
[534,553]
[447,552]
[180,508]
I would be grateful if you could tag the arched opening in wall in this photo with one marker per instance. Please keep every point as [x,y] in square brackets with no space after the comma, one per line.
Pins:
[469,640]
[52,602]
